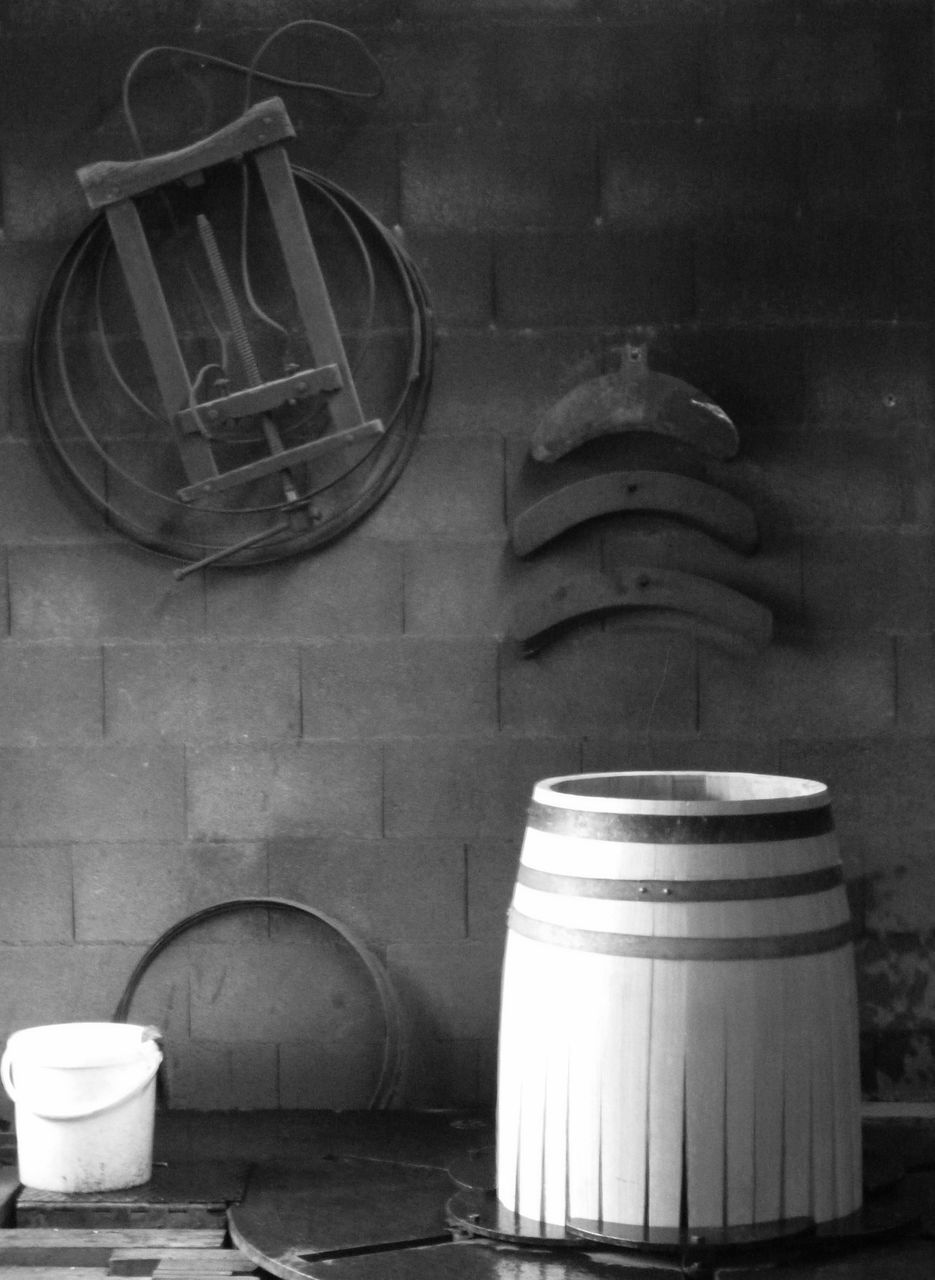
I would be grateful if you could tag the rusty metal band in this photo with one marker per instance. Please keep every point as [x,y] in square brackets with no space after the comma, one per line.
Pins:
[666,828]
[647,947]
[745,890]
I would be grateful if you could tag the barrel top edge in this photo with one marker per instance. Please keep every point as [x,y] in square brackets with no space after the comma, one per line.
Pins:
[741,792]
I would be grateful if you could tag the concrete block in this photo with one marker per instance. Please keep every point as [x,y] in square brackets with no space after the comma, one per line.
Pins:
[37,507]
[369,885]
[294,789]
[850,580]
[42,198]
[431,77]
[458,271]
[833,685]
[442,9]
[915,684]
[454,987]
[899,891]
[49,694]
[502,381]
[799,482]
[877,787]
[90,792]
[349,587]
[269,14]
[751,277]
[870,377]
[134,892]
[330,1075]
[895,982]
[197,692]
[490,178]
[451,486]
[611,682]
[46,983]
[859,60]
[622,67]
[441,1073]
[868,168]
[399,687]
[908,82]
[833,290]
[455,588]
[469,788]
[207,1076]
[769,67]
[911,270]
[97,17]
[614,753]
[317,993]
[36,904]
[15,413]
[491,875]
[693,173]
[81,593]
[667,751]
[593,277]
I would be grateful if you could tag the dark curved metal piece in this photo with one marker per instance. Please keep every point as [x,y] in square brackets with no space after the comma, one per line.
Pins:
[656,598]
[550,504]
[633,398]
[386,1088]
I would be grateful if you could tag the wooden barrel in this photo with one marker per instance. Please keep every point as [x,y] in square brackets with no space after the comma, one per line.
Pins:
[678,1031]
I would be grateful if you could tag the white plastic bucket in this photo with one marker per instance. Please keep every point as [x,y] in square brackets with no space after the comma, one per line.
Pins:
[85,1095]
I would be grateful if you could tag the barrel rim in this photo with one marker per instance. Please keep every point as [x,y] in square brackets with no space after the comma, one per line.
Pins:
[779,793]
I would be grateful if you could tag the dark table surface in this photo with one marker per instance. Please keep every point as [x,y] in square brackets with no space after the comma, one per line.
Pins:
[385,1196]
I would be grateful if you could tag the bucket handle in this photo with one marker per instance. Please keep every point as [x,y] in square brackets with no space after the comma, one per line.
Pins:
[6,1076]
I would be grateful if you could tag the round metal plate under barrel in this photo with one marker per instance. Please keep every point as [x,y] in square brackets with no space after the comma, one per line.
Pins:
[678,1039]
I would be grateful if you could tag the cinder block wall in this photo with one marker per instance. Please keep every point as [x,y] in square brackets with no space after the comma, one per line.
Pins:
[750,182]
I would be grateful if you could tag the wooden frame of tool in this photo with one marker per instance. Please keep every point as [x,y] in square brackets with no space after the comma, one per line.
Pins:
[113,186]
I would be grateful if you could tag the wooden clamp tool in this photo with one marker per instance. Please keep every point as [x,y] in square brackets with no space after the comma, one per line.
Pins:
[114,187]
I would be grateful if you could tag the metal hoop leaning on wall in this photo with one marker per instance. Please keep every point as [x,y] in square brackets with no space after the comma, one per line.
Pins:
[387,1087]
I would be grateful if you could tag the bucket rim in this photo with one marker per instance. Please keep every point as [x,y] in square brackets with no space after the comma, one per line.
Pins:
[70,1046]
[680,792]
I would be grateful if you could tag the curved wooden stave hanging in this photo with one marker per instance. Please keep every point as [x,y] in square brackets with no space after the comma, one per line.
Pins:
[654,598]
[548,506]
[634,398]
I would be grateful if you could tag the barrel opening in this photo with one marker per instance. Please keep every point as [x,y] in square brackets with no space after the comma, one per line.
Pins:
[663,785]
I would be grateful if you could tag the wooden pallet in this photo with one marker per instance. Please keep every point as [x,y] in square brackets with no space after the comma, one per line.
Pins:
[180,1194]
[73,1253]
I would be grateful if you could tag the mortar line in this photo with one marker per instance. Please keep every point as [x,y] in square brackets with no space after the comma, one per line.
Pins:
[9,594]
[383,790]
[103,678]
[301,695]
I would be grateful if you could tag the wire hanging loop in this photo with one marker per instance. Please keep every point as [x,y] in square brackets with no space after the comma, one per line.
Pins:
[252,72]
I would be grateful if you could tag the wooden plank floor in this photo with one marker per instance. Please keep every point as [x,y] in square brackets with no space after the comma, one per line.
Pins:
[79,1253]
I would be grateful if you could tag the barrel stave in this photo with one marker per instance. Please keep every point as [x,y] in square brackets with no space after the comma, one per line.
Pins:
[678,1030]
